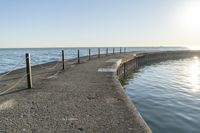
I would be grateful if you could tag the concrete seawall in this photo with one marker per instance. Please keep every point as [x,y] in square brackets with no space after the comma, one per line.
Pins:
[141,59]
[85,97]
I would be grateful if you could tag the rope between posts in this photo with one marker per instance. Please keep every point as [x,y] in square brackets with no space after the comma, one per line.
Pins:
[45,67]
[54,74]
[14,68]
[14,85]
[41,66]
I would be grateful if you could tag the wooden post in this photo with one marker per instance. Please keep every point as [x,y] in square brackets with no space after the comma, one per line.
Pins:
[106,51]
[28,70]
[120,50]
[78,57]
[63,59]
[124,50]
[113,50]
[124,70]
[89,54]
[99,53]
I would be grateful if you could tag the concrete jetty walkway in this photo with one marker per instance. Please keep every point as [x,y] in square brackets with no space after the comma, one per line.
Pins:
[78,99]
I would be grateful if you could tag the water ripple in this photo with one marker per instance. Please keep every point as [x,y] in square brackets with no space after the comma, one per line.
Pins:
[168,95]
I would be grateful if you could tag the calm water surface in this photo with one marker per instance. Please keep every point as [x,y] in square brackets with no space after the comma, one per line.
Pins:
[167,94]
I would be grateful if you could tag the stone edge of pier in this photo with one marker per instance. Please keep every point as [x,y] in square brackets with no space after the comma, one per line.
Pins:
[141,59]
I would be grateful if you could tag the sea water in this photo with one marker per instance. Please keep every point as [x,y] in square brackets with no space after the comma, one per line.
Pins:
[167,94]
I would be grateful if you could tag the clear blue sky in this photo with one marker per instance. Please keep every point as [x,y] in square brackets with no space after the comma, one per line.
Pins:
[71,23]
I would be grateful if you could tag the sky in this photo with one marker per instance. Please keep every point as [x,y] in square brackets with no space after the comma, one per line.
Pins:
[100,23]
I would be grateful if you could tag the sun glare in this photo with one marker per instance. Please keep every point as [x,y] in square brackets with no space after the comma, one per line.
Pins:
[189,16]
[194,74]
[194,47]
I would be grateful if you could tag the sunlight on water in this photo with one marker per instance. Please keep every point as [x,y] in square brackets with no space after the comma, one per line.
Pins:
[167,94]
[194,74]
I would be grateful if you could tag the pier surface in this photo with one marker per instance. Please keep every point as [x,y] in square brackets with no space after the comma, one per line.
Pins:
[77,99]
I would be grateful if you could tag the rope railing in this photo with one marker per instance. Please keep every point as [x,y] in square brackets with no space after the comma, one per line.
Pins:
[48,69]
[42,67]
[14,85]
[13,69]
[27,60]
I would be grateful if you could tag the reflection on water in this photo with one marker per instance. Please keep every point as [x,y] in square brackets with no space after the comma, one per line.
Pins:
[167,94]
[194,74]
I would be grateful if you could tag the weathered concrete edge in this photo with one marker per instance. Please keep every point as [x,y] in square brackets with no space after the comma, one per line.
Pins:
[130,105]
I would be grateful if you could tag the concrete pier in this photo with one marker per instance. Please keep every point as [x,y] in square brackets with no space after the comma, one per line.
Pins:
[85,97]
[77,99]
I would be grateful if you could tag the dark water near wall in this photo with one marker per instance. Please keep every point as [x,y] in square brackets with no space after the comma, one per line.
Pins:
[9,58]
[167,95]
